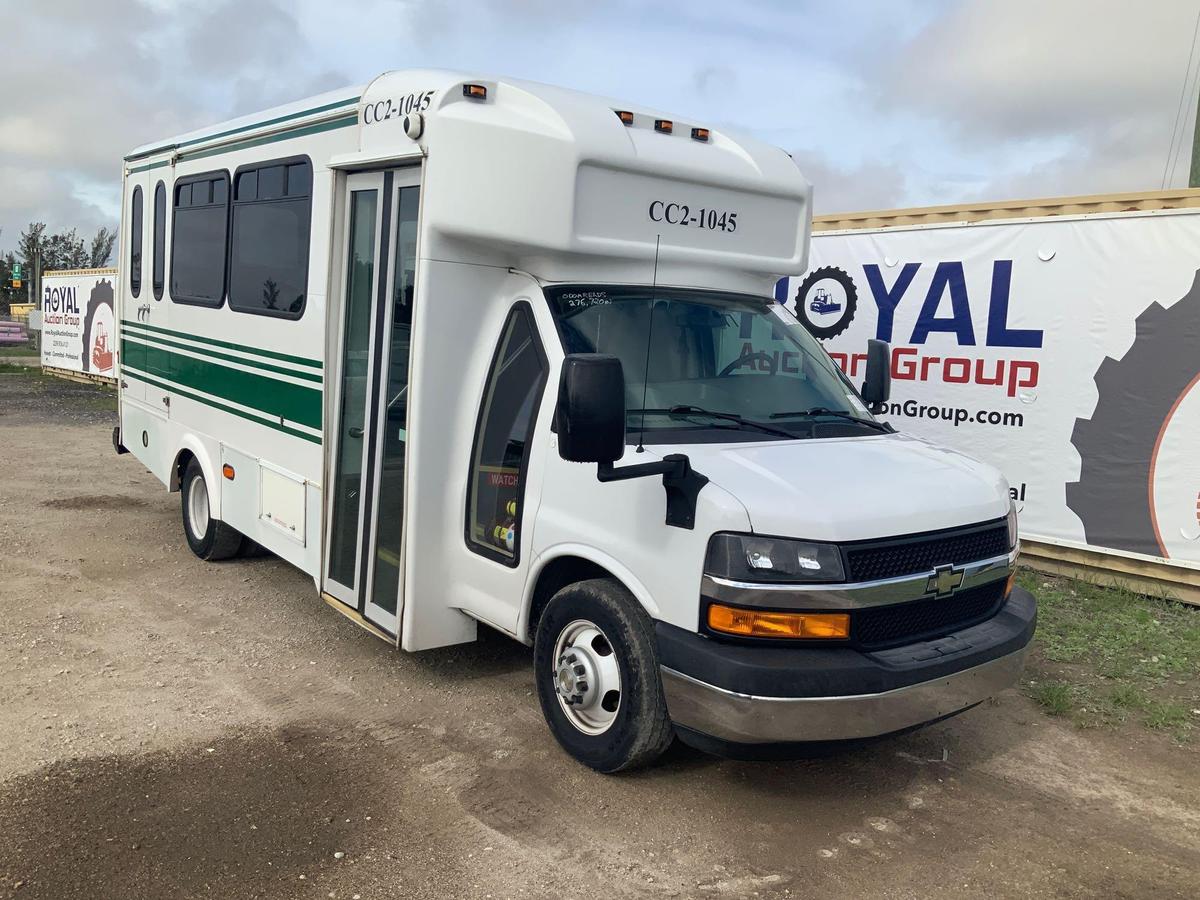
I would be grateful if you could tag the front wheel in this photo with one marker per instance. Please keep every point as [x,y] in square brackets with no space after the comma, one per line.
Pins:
[209,538]
[597,677]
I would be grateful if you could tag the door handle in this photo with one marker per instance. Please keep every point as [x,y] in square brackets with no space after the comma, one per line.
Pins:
[356,432]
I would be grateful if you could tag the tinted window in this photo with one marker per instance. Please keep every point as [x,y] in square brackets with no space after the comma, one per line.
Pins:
[500,458]
[268,263]
[160,240]
[135,242]
[199,226]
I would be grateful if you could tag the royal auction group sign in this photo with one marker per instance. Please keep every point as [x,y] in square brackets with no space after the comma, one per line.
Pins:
[78,325]
[1064,350]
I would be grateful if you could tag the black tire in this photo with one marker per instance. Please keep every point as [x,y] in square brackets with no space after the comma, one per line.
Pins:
[219,540]
[642,729]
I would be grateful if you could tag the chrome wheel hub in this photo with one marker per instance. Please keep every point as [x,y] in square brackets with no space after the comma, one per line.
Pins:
[587,679]
[198,507]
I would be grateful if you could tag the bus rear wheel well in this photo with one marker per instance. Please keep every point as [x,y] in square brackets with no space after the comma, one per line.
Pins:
[178,468]
[557,574]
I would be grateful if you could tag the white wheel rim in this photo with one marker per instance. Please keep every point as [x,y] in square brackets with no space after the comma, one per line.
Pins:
[590,698]
[198,508]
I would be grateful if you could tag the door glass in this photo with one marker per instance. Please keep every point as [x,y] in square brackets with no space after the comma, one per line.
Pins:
[390,522]
[360,257]
[501,453]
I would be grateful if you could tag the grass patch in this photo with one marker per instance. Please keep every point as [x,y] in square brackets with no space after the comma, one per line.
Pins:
[19,351]
[1052,696]
[17,369]
[1105,656]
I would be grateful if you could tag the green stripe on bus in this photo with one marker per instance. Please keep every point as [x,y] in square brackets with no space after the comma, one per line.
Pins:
[307,376]
[228,345]
[318,128]
[208,401]
[149,166]
[293,402]
[162,148]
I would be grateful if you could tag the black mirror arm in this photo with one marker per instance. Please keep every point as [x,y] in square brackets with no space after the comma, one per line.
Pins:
[681,482]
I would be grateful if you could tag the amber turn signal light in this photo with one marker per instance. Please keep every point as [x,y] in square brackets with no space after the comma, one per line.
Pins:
[1008,586]
[625,116]
[227,471]
[758,623]
[475,91]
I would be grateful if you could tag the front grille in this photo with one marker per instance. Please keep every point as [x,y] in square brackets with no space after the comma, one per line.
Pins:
[909,556]
[903,623]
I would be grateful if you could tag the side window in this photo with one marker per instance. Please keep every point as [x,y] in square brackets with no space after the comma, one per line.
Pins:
[268,261]
[500,457]
[159,275]
[135,242]
[199,226]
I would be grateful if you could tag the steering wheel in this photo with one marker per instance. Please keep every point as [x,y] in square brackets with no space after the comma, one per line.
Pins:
[745,358]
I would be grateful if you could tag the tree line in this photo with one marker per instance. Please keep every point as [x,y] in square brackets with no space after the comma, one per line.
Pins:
[61,250]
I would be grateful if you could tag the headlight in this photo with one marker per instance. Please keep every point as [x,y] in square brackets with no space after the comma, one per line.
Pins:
[1012,524]
[747,557]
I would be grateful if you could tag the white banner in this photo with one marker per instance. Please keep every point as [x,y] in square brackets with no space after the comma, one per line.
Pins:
[78,326]
[1063,350]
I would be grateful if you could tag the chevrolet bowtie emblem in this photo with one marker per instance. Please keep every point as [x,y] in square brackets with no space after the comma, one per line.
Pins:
[944,581]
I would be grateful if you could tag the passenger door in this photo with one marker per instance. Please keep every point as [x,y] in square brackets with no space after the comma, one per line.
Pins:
[367,434]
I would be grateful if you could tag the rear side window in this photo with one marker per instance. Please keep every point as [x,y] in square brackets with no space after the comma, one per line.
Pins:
[500,457]
[199,228]
[159,276]
[135,242]
[268,258]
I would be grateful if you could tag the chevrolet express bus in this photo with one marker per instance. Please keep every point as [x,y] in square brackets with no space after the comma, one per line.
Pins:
[472,350]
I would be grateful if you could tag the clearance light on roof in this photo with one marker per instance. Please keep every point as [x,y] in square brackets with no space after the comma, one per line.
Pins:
[475,91]
[625,116]
[666,126]
[759,623]
[699,134]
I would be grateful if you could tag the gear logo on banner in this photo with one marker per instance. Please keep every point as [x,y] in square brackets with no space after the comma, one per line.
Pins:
[826,302]
[1135,447]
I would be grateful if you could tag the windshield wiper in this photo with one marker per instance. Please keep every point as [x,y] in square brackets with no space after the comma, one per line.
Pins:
[681,411]
[836,413]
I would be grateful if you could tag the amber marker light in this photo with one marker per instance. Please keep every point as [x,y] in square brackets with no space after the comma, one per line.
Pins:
[625,116]
[758,623]
[475,91]
[227,471]
[666,126]
[700,134]
[1008,585]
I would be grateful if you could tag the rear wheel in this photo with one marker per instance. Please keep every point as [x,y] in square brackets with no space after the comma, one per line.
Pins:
[209,538]
[597,677]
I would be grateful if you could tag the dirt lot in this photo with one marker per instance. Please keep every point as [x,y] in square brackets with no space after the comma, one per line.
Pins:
[171,728]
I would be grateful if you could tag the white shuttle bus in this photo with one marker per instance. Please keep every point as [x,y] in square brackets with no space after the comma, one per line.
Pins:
[476,351]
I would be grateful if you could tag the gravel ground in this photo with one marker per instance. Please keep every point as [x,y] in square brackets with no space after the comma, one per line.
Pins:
[173,728]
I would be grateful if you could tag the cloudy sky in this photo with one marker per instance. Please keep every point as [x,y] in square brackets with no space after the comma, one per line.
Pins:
[883,103]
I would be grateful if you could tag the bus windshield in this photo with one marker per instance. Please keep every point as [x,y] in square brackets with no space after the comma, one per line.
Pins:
[706,365]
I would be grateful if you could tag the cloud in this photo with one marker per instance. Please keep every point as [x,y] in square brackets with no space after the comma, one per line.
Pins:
[903,103]
[1035,98]
[98,86]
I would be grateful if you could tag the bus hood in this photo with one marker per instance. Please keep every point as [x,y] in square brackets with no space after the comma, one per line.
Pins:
[849,489]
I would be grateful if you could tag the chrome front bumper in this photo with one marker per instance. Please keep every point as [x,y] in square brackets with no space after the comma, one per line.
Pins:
[747,719]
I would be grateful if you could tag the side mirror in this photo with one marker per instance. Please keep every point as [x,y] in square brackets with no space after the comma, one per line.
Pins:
[590,416]
[877,386]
